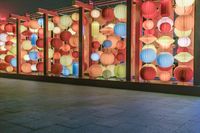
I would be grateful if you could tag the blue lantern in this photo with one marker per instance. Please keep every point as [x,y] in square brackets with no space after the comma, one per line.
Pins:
[95,56]
[41,22]
[75,69]
[34,38]
[33,55]
[148,55]
[107,44]
[13,62]
[120,30]
[65,71]
[165,59]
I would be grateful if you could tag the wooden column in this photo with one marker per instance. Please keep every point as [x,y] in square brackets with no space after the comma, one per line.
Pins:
[81,43]
[18,23]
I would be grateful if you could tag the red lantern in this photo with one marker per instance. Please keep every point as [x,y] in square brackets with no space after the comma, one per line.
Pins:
[56,56]
[149,32]
[9,28]
[75,27]
[148,73]
[149,9]
[40,43]
[121,45]
[165,27]
[108,14]
[3,66]
[65,35]
[75,54]
[182,49]
[183,73]
[41,33]
[120,57]
[96,44]
[40,67]
[8,58]
[56,68]
[56,43]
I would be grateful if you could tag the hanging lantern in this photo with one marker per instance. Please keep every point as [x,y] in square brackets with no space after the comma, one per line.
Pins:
[41,22]
[165,41]
[184,3]
[184,42]
[165,76]
[33,24]
[40,43]
[3,37]
[75,27]
[95,44]
[106,74]
[165,60]
[9,69]
[107,31]
[56,43]
[184,57]
[181,33]
[165,20]
[120,57]
[148,39]
[148,55]
[95,71]
[148,24]
[107,58]
[34,55]
[34,68]
[120,71]
[107,44]
[165,28]
[75,16]
[73,41]
[65,71]
[95,57]
[120,30]
[95,28]
[26,57]
[183,73]
[75,54]
[40,66]
[111,68]
[108,14]
[66,60]
[56,19]
[183,10]
[149,9]
[65,48]
[26,68]
[95,13]
[34,38]
[148,73]
[182,49]
[56,68]
[65,21]
[50,25]
[56,30]
[65,35]
[56,56]
[150,46]
[101,38]
[26,45]
[9,28]
[120,12]
[184,23]
[121,45]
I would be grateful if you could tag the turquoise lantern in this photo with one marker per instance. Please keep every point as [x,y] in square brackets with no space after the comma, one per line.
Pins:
[34,38]
[13,62]
[120,30]
[41,22]
[75,68]
[33,55]
[165,59]
[107,44]
[95,57]
[65,71]
[148,55]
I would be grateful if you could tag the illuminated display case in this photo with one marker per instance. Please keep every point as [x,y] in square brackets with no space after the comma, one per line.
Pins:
[133,44]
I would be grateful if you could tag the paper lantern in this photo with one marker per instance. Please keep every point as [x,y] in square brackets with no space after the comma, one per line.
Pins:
[65,35]
[106,74]
[95,28]
[26,45]
[66,60]
[114,40]
[33,24]
[121,57]
[184,3]
[26,68]
[107,44]
[95,71]
[165,28]
[34,55]
[182,49]
[107,58]
[121,45]
[65,71]
[108,14]
[120,71]
[40,43]
[165,60]
[184,42]
[165,20]
[120,30]
[165,41]
[148,24]
[147,55]
[75,27]
[3,37]
[56,30]
[107,31]
[150,46]
[101,38]
[41,22]
[9,28]
[33,68]
[13,50]
[184,23]
[56,56]
[26,57]
[56,19]
[8,58]
[183,73]
[75,16]
[184,57]
[65,48]
[40,66]
[22,28]
[50,25]
[56,68]
[9,69]
[56,43]
[183,10]
[148,73]
[111,68]
[75,54]
[180,33]
[120,12]
[148,39]
[34,38]
[65,21]
[74,41]
[75,68]
[165,76]
[95,44]
[95,13]
[95,57]
[148,9]
[50,53]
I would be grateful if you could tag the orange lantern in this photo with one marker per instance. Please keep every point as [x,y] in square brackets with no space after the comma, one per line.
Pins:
[73,41]
[75,27]
[184,10]
[56,19]
[56,56]
[108,14]
[33,24]
[165,76]
[107,58]
[184,23]
[148,24]
[65,48]
[26,68]
[121,45]
[95,71]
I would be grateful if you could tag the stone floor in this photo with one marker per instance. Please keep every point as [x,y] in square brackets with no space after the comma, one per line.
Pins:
[34,107]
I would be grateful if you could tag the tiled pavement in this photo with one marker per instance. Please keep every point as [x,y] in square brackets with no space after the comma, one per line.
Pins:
[34,107]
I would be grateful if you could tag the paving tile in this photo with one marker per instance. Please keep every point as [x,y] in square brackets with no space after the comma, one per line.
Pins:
[54,129]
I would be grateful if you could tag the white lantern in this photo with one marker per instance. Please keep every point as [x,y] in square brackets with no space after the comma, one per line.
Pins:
[66,21]
[50,25]
[26,57]
[95,13]
[3,37]
[75,16]
[120,11]
[165,20]
[33,67]
[184,3]
[56,30]
[184,42]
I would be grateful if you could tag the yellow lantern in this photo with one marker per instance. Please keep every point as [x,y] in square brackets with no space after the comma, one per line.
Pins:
[120,12]
[13,50]
[150,46]
[184,57]
[180,33]
[22,28]
[2,56]
[101,38]
[26,45]
[165,41]
[9,69]
[95,13]
[51,53]
[111,68]
[50,25]
[95,28]
[66,60]
[75,16]
[66,21]
[184,3]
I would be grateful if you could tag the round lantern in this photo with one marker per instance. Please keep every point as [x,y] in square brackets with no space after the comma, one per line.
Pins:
[184,3]
[50,53]
[184,57]
[184,23]
[107,58]
[182,49]
[165,76]
[120,71]
[111,68]
[95,71]
[8,58]
[65,48]
[148,24]
[9,69]
[101,38]
[181,33]
[13,50]
[148,55]
[73,41]
[26,57]
[40,66]
[56,68]
[96,44]
[183,10]
[120,12]
[148,73]
[65,71]
[95,13]
[56,43]
[75,27]
[165,20]
[50,25]
[75,67]
[95,57]
[107,44]
[3,37]
[149,9]
[75,54]
[40,43]
[120,57]
[34,38]
[95,28]
[33,24]
[165,41]
[150,46]
[65,35]
[41,22]
[106,74]
[56,30]
[33,68]
[108,14]
[56,19]
[66,60]
[26,68]
[148,39]
[65,21]
[114,40]
[165,28]
[75,16]
[8,28]
[121,45]
[56,56]
[33,55]
[120,30]
[184,42]
[165,59]
[26,45]
[183,73]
